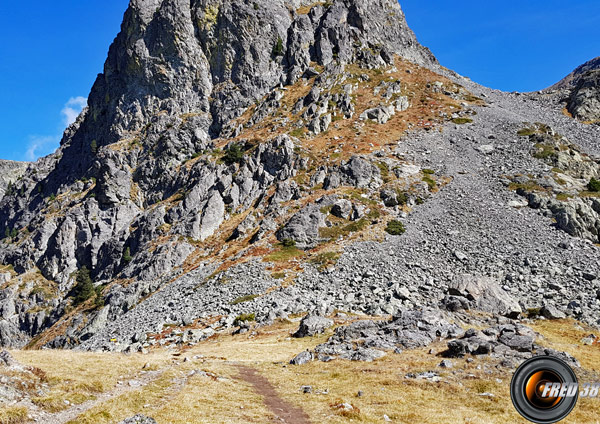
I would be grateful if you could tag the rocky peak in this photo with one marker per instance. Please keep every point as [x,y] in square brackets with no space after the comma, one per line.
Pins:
[571,80]
[204,140]
[216,57]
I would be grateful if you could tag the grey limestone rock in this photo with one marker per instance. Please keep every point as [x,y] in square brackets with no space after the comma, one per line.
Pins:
[303,227]
[368,340]
[10,171]
[302,358]
[139,419]
[485,294]
[311,325]
[551,312]
[380,114]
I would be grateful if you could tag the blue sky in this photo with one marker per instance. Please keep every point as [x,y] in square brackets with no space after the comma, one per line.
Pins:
[51,53]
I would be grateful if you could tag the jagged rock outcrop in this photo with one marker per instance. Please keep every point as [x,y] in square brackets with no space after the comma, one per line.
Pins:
[581,91]
[10,172]
[584,103]
[143,177]
[571,80]
[565,193]
[175,76]
[368,340]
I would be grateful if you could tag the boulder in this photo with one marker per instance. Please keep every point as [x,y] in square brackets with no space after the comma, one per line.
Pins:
[551,312]
[303,227]
[342,208]
[484,294]
[312,325]
[302,358]
[380,114]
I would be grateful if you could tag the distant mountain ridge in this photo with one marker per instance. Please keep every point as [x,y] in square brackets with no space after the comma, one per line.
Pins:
[571,80]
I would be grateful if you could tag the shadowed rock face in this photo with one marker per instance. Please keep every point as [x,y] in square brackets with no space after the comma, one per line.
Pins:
[205,61]
[582,91]
[584,103]
[10,171]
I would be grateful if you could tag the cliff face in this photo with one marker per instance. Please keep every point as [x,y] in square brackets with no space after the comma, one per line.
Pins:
[200,64]
[581,91]
[584,102]
[10,171]
[163,157]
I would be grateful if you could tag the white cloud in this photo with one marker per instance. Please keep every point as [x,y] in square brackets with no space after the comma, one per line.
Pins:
[42,145]
[72,109]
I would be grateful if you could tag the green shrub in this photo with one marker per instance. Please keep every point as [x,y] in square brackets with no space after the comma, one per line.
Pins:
[127,255]
[430,182]
[461,121]
[244,299]
[297,132]
[428,171]
[288,243]
[526,132]
[94,146]
[244,317]
[324,260]
[284,254]
[84,289]
[234,154]
[278,47]
[543,151]
[10,190]
[401,197]
[395,228]
[337,231]
[594,185]
[10,234]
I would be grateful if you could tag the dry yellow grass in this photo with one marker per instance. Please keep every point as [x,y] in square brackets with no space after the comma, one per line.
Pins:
[80,376]
[175,396]
[13,415]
